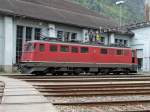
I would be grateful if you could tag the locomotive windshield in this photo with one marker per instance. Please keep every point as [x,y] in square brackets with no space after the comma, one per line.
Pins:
[29,47]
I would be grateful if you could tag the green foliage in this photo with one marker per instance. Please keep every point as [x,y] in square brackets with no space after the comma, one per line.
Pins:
[132,10]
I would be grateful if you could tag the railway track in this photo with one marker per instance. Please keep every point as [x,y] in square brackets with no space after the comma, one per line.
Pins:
[94,93]
[2,86]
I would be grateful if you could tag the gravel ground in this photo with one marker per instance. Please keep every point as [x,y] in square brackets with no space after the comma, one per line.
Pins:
[98,98]
[0,99]
[104,108]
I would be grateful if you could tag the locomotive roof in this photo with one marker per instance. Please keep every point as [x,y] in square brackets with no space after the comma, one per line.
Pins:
[78,44]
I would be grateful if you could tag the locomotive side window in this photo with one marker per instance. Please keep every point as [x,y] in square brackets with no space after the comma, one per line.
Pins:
[41,47]
[126,52]
[74,49]
[104,51]
[53,48]
[119,52]
[84,50]
[64,49]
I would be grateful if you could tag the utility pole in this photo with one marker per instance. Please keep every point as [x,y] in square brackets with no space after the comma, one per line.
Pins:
[120,5]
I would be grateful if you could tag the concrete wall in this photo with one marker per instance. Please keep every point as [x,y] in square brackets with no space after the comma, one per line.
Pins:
[8,43]
[141,42]
[1,42]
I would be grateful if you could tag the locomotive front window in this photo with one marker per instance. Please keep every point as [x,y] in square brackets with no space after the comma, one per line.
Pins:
[74,49]
[41,47]
[103,51]
[84,49]
[30,47]
[53,48]
[64,48]
[119,52]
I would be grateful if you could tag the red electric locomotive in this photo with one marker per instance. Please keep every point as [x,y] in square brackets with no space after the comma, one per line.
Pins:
[41,57]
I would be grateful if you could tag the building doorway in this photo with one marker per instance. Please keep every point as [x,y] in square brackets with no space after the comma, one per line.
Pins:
[140,63]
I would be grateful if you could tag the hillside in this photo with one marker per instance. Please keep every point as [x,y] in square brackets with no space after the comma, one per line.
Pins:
[132,10]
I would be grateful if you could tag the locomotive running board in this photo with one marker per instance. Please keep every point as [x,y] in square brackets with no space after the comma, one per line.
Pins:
[56,64]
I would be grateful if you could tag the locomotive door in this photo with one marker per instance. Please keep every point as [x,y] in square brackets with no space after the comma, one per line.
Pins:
[95,55]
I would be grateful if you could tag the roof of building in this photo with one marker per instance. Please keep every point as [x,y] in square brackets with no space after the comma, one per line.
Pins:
[59,11]
[121,31]
[137,25]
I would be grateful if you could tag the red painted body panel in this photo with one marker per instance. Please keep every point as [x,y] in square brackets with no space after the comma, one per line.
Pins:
[94,55]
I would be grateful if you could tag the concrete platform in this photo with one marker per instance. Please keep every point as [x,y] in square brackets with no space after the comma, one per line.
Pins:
[20,96]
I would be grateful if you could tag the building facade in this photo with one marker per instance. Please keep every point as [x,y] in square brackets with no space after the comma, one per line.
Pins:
[141,42]
[26,20]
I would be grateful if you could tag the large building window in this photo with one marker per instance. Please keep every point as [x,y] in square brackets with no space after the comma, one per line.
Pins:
[66,36]
[19,42]
[28,33]
[103,39]
[37,33]
[73,36]
[60,35]
[121,42]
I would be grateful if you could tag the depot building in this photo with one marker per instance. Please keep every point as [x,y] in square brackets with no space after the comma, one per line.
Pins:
[26,20]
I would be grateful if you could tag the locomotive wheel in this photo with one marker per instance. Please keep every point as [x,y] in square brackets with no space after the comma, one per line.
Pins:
[24,70]
[60,73]
[39,73]
[105,72]
[69,73]
[127,72]
[54,74]
[117,73]
[77,71]
[96,73]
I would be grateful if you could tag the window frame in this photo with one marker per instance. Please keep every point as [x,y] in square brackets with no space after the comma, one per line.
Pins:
[28,33]
[74,51]
[84,52]
[61,50]
[53,50]
[104,53]
[37,33]
[43,47]
[120,53]
[30,47]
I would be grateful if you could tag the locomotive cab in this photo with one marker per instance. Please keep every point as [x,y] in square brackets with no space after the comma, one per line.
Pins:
[28,52]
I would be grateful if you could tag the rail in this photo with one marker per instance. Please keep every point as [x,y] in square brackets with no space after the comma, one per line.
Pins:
[2,87]
[101,103]
[73,93]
